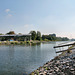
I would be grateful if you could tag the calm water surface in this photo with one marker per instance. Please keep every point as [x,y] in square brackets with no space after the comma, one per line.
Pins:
[22,60]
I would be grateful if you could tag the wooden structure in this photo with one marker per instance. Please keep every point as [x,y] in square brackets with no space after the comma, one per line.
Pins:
[64,46]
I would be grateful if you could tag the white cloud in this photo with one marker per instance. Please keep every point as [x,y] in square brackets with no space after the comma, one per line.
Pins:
[7,10]
[8,14]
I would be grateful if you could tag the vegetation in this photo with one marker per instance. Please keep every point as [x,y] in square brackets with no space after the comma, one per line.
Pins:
[11,32]
[52,37]
[38,36]
[62,39]
[33,35]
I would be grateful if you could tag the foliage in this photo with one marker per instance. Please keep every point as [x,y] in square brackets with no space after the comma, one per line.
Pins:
[62,39]
[23,42]
[46,40]
[0,42]
[28,42]
[49,37]
[11,32]
[12,42]
[52,37]
[38,35]
[16,42]
[20,33]
[46,68]
[33,35]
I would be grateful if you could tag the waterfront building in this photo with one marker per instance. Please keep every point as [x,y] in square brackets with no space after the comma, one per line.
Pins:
[15,37]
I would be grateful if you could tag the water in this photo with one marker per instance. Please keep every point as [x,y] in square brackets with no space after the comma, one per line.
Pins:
[22,60]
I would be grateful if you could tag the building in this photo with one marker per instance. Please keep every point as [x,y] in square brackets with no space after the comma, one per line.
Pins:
[15,37]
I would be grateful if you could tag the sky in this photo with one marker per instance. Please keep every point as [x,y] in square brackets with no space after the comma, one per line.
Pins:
[46,16]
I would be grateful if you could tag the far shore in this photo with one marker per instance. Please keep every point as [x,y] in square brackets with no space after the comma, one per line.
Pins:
[23,42]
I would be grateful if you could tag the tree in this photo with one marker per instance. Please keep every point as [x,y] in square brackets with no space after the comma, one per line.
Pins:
[38,35]
[51,37]
[20,33]
[33,35]
[11,32]
[65,39]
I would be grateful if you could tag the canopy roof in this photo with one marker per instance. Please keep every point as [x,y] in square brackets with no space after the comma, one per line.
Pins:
[15,35]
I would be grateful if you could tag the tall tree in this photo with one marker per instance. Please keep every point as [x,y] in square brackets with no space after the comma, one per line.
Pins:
[38,35]
[33,35]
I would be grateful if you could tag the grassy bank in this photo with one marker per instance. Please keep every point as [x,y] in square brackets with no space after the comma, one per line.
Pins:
[20,42]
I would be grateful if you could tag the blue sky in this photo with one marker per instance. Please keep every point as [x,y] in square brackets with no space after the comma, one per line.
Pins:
[46,16]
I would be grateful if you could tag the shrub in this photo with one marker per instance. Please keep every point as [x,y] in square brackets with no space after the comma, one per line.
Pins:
[12,42]
[22,42]
[0,42]
[28,42]
[45,39]
[16,42]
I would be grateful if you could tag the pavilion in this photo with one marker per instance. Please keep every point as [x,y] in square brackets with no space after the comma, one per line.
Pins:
[15,37]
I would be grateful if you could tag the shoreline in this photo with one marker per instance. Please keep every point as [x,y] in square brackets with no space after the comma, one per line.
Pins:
[21,42]
[63,64]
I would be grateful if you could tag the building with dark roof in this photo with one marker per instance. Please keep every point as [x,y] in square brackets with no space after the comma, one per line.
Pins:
[15,37]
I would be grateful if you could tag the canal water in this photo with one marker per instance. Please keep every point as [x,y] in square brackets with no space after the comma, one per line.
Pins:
[23,59]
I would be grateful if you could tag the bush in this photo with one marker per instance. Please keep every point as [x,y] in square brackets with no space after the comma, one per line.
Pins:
[12,42]
[28,42]
[22,42]
[46,40]
[0,42]
[16,42]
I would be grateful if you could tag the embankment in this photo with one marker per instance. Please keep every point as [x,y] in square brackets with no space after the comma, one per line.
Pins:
[64,64]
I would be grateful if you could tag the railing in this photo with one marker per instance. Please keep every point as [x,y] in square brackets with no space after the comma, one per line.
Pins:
[64,46]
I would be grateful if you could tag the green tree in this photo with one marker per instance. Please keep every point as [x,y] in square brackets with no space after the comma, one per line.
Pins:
[38,35]
[51,37]
[33,35]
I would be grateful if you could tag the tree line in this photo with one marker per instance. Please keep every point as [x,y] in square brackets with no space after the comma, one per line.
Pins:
[37,36]
[51,37]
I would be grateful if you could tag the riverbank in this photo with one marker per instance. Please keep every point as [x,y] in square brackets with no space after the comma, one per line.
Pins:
[21,42]
[18,42]
[64,64]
